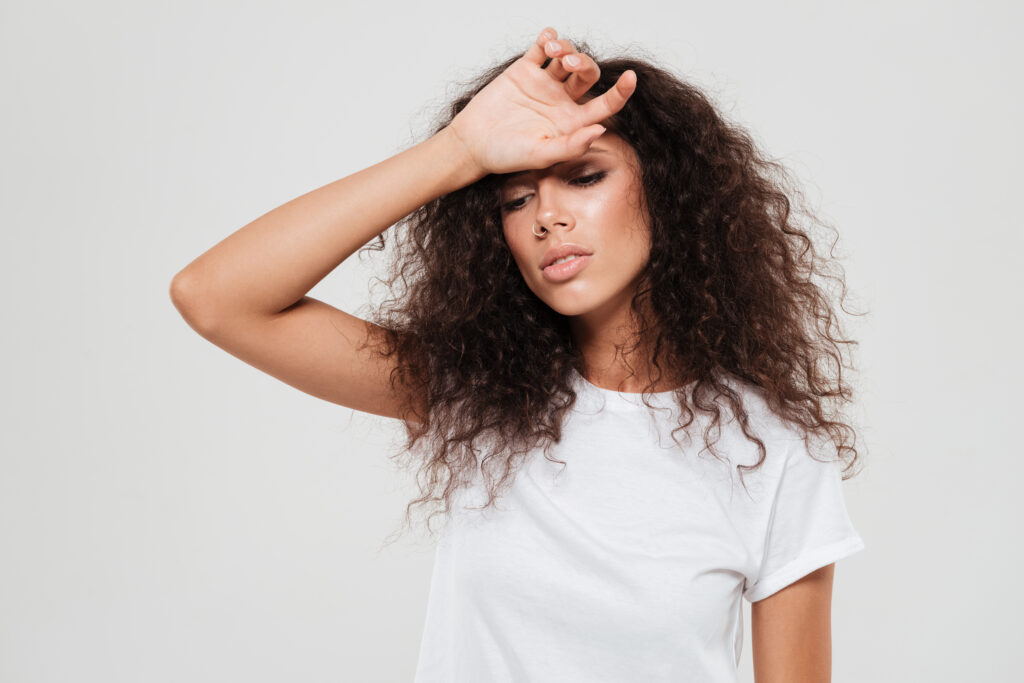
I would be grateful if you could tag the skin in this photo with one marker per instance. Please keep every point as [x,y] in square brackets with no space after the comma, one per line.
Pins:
[592,201]
[791,631]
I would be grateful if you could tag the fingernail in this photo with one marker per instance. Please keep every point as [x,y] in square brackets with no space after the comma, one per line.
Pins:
[572,60]
[553,46]
[547,35]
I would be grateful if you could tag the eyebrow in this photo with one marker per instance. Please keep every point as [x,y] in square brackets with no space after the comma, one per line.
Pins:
[592,150]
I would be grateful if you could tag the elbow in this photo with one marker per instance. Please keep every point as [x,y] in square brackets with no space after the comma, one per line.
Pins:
[178,291]
[185,296]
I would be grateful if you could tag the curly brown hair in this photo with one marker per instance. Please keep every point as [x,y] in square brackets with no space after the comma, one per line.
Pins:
[727,294]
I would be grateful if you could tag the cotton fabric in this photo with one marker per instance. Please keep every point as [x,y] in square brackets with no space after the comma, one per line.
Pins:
[629,564]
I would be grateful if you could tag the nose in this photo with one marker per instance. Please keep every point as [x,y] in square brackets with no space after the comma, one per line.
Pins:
[552,211]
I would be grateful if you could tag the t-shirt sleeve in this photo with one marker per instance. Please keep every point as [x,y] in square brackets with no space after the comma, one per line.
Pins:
[808,526]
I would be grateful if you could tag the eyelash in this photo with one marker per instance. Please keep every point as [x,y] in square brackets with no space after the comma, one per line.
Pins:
[591,179]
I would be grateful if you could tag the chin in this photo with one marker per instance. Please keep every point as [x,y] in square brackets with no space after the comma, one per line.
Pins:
[571,303]
[568,310]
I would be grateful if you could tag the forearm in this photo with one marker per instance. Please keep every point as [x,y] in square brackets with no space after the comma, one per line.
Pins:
[272,262]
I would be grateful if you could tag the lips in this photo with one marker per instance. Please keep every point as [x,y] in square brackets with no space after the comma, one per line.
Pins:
[561,251]
[562,272]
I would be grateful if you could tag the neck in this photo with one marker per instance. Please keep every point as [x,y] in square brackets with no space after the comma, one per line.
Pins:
[612,358]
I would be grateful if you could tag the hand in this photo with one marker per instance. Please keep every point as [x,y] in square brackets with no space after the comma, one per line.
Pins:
[527,118]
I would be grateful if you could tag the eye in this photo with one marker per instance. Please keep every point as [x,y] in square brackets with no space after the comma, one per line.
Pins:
[509,207]
[591,179]
[584,181]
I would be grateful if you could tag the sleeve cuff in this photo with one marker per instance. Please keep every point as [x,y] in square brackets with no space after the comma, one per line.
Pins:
[802,566]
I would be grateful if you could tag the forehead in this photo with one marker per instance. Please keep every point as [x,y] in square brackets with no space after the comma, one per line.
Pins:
[606,148]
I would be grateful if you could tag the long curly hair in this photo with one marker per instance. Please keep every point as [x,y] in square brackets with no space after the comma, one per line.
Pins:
[728,293]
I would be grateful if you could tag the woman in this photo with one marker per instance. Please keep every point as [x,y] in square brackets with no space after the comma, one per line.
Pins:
[594,262]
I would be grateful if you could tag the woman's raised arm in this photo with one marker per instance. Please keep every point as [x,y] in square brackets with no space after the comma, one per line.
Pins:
[247,293]
[269,264]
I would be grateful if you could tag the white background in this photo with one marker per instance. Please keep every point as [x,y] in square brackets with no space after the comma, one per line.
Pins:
[168,513]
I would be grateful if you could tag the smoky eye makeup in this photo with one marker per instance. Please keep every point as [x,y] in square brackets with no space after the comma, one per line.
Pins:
[582,176]
[568,174]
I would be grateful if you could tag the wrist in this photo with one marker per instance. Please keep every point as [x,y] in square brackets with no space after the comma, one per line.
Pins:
[464,169]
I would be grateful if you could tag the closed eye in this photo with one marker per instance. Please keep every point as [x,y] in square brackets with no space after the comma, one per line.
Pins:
[583,181]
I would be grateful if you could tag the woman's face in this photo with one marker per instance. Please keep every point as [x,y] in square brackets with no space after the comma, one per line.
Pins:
[592,202]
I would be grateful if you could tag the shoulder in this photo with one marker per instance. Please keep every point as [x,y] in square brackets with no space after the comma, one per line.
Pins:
[762,416]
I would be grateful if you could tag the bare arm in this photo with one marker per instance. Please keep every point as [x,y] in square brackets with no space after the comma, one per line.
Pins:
[247,293]
[272,262]
[792,631]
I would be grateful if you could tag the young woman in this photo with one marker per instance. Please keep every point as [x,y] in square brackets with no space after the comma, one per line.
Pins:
[594,263]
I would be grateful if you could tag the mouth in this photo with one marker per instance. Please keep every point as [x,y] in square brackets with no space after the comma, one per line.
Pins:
[559,254]
[562,270]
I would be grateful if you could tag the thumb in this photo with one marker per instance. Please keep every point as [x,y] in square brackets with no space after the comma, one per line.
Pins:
[576,144]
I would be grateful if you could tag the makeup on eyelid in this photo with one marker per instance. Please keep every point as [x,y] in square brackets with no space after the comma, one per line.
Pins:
[585,180]
[582,159]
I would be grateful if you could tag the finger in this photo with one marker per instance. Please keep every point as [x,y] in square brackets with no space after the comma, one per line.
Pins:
[612,100]
[582,76]
[556,69]
[570,146]
[535,53]
[556,49]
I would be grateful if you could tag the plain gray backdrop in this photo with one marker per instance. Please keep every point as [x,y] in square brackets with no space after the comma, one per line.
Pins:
[169,513]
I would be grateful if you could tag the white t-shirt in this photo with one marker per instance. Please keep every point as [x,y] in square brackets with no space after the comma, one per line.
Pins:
[628,565]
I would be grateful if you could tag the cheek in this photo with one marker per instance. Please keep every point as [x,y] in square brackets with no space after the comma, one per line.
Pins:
[518,246]
[626,231]
[643,239]
[633,248]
